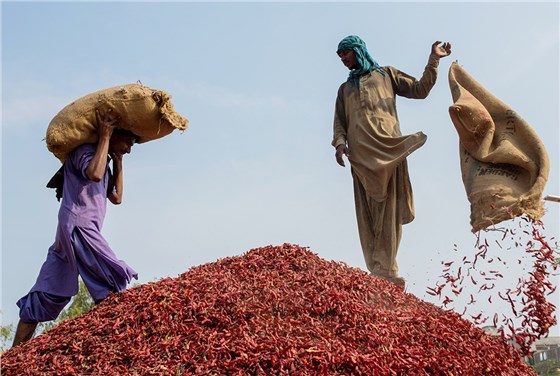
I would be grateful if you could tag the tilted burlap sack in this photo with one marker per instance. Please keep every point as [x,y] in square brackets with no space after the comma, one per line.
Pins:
[503,162]
[147,112]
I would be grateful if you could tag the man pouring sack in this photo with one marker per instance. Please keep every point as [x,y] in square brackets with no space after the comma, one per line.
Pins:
[367,132]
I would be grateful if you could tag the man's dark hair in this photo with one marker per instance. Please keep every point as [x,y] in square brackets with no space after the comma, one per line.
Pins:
[126,133]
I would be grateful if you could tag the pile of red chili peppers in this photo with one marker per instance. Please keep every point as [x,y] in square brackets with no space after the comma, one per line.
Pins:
[525,294]
[275,310]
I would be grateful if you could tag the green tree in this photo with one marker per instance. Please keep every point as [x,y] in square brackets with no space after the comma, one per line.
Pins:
[80,304]
[6,336]
[547,368]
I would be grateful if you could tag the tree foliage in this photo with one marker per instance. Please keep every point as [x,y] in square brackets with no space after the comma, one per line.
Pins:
[6,336]
[547,368]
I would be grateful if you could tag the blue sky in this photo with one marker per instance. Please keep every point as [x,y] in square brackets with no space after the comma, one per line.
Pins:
[257,82]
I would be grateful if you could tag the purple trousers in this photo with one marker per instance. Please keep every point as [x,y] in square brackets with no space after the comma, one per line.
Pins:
[57,282]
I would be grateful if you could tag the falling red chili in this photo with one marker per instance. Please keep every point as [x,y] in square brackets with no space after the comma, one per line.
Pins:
[536,313]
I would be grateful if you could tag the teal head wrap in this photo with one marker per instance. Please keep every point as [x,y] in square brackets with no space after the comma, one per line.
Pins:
[366,62]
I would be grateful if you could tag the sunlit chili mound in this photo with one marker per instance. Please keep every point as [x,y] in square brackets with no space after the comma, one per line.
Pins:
[271,311]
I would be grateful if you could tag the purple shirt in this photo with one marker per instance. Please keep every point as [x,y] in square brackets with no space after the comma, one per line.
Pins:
[84,202]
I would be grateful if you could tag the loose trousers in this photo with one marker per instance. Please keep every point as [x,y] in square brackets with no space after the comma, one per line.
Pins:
[380,227]
[101,272]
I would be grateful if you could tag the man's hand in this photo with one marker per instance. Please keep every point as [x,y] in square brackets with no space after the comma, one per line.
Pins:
[106,124]
[117,157]
[441,51]
[116,190]
[341,150]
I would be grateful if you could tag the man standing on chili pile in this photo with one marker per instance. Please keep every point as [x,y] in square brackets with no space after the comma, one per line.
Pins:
[79,247]
[367,131]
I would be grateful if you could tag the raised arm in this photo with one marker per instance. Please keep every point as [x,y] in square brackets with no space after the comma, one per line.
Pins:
[105,126]
[116,193]
[408,86]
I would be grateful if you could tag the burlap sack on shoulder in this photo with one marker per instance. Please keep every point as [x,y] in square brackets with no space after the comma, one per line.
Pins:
[147,112]
[504,164]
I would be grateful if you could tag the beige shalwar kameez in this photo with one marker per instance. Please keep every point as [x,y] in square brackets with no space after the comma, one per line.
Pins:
[366,120]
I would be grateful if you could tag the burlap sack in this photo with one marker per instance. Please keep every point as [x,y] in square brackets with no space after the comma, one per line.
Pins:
[147,112]
[503,162]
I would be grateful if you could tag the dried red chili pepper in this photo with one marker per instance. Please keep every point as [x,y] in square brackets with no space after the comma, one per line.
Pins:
[278,310]
[533,313]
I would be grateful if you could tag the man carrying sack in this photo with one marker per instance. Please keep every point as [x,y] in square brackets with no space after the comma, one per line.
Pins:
[79,247]
[367,131]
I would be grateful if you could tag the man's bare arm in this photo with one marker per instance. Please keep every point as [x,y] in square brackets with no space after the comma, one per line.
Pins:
[105,126]
[116,195]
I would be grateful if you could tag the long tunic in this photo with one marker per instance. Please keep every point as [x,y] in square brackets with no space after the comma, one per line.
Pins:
[366,120]
[79,243]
